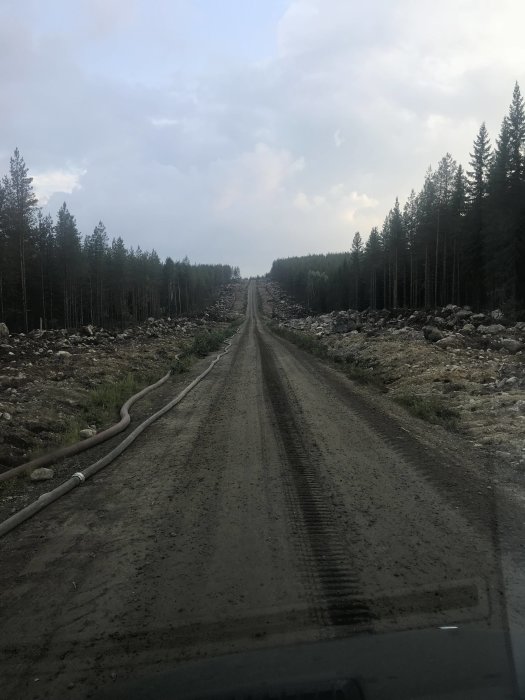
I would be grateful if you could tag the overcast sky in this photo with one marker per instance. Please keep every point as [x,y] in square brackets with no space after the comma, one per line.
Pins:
[239,131]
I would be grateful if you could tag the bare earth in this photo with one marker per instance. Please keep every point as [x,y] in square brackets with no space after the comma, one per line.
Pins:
[278,502]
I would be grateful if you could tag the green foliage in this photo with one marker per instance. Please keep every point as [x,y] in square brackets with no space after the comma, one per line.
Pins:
[209,341]
[432,409]
[205,342]
[181,364]
[102,404]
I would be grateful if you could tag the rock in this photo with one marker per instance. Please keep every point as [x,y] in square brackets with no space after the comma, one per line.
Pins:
[88,330]
[468,328]
[513,346]
[4,331]
[463,314]
[451,341]
[6,416]
[478,318]
[497,314]
[493,329]
[63,354]
[519,406]
[42,474]
[450,309]
[87,433]
[432,334]
[344,325]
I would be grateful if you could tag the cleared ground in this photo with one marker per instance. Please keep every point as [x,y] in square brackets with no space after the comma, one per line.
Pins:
[279,502]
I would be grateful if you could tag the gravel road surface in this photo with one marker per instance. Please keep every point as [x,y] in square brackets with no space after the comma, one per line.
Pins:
[279,502]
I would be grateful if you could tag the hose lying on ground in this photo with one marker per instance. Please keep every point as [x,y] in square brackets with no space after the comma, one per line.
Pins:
[83,445]
[79,477]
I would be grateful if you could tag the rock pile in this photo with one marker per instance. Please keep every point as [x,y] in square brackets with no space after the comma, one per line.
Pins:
[449,327]
[44,375]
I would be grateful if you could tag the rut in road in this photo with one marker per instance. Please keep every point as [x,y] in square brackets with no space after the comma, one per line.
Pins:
[328,555]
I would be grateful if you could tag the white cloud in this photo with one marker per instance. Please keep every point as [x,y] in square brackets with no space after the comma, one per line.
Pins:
[337,204]
[260,174]
[51,182]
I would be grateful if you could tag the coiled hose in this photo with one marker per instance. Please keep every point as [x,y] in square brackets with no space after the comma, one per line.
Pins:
[79,477]
[83,445]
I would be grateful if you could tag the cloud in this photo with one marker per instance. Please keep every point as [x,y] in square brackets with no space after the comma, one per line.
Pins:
[52,182]
[287,150]
[260,174]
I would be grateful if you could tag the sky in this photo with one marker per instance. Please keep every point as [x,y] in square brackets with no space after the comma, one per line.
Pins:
[240,131]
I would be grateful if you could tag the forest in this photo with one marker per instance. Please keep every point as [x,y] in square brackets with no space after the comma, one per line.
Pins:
[52,277]
[459,240]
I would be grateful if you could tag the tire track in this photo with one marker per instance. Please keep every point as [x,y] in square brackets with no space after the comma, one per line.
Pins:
[472,493]
[327,564]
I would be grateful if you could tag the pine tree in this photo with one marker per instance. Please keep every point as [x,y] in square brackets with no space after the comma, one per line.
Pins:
[516,123]
[373,255]
[69,258]
[20,204]
[44,245]
[355,258]
[444,176]
[458,205]
[410,225]
[480,163]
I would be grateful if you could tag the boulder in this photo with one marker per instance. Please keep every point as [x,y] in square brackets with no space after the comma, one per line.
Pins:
[432,334]
[88,330]
[4,331]
[87,433]
[493,329]
[513,346]
[463,314]
[63,355]
[450,309]
[42,474]
[468,328]
[451,341]
[497,314]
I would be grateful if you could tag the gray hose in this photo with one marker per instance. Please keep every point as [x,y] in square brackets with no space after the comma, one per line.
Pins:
[79,477]
[83,445]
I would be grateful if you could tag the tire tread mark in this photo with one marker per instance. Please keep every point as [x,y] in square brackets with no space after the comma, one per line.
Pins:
[327,558]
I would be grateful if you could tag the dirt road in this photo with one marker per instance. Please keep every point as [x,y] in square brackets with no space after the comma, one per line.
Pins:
[279,502]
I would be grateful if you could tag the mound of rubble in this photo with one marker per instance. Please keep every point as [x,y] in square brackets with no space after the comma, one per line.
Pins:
[46,375]
[473,362]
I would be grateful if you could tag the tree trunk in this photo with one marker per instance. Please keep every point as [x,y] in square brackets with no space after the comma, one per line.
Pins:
[436,263]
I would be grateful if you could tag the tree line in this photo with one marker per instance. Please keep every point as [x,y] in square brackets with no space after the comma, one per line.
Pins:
[459,240]
[51,276]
